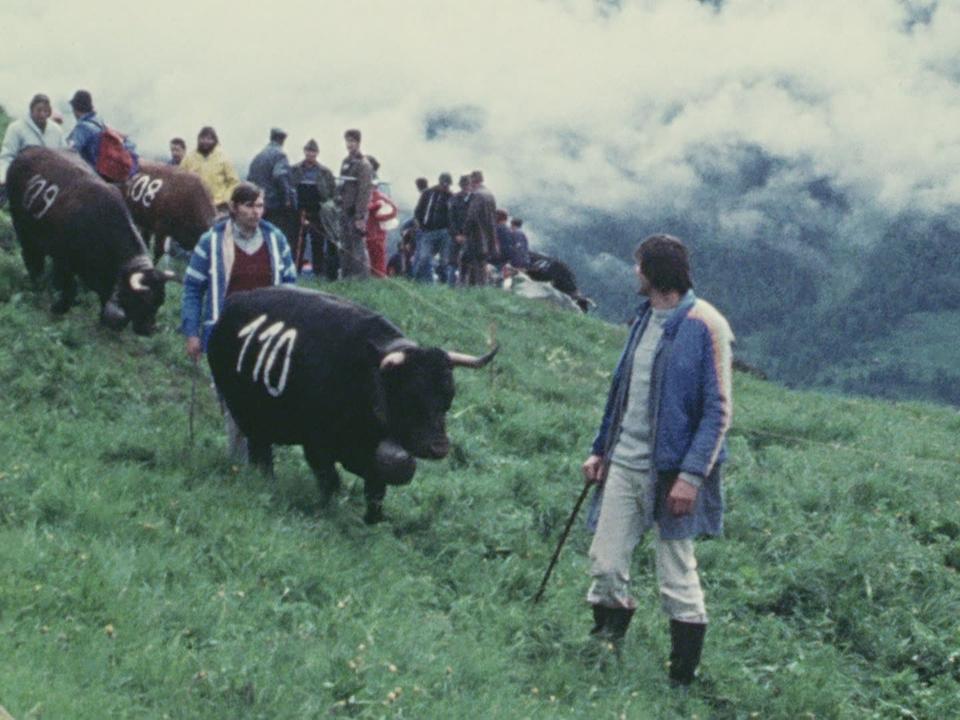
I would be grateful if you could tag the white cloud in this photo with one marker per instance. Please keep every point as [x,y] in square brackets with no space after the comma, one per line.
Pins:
[600,111]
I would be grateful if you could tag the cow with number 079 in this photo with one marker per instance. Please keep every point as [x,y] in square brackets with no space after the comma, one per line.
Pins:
[301,367]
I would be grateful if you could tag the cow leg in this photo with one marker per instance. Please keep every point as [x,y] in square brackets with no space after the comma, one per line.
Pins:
[374,492]
[260,454]
[33,259]
[322,464]
[64,282]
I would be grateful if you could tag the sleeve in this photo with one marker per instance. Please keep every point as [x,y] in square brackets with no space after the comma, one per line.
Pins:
[716,372]
[288,270]
[229,175]
[9,150]
[364,189]
[196,282]
[421,208]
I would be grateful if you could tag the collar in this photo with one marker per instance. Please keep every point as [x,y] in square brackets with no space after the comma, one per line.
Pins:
[676,317]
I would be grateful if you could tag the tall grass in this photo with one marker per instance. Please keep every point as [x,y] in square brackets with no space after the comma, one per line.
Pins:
[148,578]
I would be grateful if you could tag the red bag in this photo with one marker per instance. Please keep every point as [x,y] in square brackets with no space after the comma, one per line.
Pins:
[114,161]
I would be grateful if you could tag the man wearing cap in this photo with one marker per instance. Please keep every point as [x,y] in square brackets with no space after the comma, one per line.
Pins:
[316,190]
[355,190]
[35,129]
[210,163]
[433,219]
[270,170]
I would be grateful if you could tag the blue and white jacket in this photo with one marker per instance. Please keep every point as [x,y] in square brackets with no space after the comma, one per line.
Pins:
[690,406]
[206,279]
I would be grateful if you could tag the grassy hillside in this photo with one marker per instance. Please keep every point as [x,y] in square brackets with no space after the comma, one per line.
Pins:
[148,578]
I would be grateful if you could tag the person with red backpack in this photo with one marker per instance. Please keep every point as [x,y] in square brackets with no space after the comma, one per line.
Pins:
[110,153]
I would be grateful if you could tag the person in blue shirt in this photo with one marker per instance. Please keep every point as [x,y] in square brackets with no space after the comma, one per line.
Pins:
[657,456]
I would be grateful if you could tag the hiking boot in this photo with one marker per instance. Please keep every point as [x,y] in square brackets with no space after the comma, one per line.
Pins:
[599,619]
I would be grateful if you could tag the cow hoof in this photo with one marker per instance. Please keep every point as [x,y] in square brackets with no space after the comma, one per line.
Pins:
[395,466]
[374,515]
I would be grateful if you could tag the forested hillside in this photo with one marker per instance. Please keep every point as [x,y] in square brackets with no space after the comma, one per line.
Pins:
[147,577]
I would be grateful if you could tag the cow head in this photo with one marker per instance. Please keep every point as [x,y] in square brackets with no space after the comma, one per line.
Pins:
[139,296]
[418,391]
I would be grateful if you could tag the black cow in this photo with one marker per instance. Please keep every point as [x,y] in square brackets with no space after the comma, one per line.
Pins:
[63,209]
[556,272]
[301,367]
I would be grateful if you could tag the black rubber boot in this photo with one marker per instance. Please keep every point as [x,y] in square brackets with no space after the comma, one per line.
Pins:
[618,620]
[687,644]
[599,619]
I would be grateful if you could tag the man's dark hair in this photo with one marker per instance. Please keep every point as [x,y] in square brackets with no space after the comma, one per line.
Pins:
[37,99]
[664,261]
[352,134]
[245,192]
[502,216]
[82,101]
[207,131]
[445,179]
[464,181]
[179,142]
[422,183]
[516,222]
[476,176]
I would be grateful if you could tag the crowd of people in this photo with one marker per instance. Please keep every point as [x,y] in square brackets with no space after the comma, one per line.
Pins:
[337,224]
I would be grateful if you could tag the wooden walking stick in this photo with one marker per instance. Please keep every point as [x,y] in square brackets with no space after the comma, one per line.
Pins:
[298,260]
[563,539]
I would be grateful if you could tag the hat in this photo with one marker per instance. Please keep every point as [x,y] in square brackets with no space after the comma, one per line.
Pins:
[277,134]
[82,101]
[311,146]
[445,179]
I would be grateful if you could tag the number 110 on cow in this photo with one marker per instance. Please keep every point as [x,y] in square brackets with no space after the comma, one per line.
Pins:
[273,340]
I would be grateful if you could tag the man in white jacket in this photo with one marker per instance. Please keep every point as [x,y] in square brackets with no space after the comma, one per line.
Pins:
[33,130]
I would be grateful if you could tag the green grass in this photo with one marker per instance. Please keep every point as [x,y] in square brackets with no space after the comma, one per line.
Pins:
[148,578]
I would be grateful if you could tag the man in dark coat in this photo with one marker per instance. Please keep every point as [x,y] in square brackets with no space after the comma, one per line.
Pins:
[316,190]
[356,187]
[270,171]
[450,253]
[479,232]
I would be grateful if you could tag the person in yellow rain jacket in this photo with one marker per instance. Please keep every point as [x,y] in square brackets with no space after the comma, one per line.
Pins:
[214,168]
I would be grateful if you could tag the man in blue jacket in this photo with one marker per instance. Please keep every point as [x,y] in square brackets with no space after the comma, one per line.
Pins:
[242,253]
[658,454]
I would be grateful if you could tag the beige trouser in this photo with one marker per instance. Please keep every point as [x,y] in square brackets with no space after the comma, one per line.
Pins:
[621,525]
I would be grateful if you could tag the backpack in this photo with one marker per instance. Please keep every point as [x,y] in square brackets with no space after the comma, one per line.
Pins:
[115,159]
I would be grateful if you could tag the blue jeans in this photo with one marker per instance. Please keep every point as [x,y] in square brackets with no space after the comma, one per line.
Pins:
[429,243]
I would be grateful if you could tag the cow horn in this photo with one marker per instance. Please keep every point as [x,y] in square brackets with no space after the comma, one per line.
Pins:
[393,359]
[136,282]
[464,360]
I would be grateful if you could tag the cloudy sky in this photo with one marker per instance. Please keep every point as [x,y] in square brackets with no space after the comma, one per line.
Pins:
[569,106]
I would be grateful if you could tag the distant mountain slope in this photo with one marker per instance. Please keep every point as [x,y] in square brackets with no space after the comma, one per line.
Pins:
[144,576]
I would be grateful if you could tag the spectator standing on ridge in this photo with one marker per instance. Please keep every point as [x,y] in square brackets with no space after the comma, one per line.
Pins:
[87,135]
[381,214]
[356,187]
[479,232]
[450,255]
[422,184]
[270,170]
[520,259]
[178,150]
[241,253]
[316,190]
[210,163]
[433,218]
[659,451]
[35,129]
